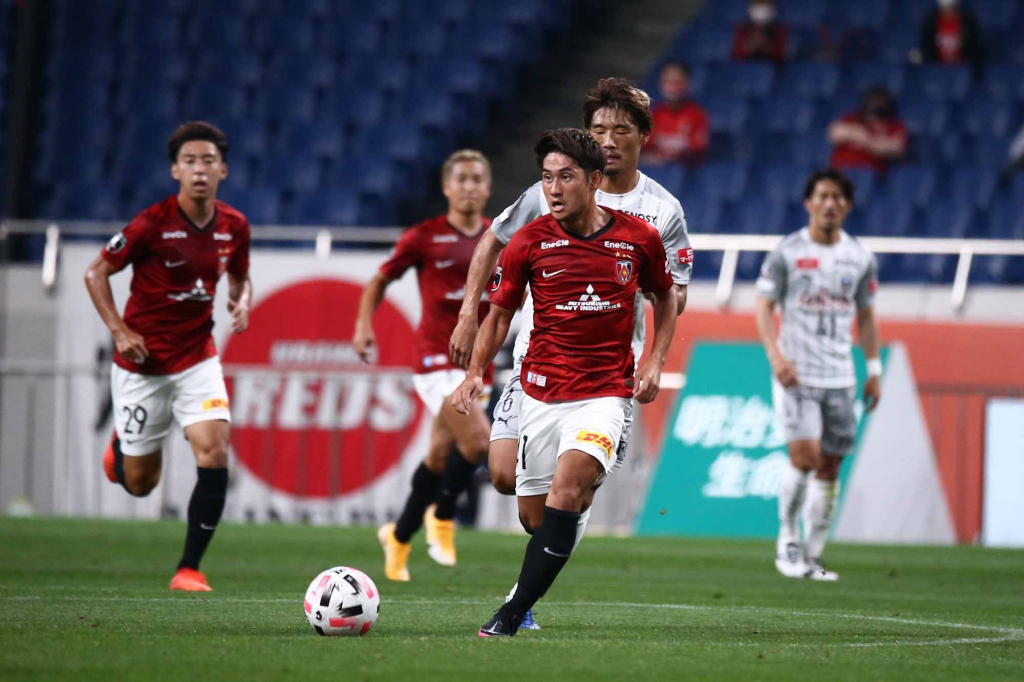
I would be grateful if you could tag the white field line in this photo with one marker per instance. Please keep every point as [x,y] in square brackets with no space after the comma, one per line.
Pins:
[1005,634]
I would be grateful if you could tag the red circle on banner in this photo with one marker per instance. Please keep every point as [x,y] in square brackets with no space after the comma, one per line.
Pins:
[309,418]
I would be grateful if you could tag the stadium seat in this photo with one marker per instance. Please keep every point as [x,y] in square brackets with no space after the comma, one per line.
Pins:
[939,83]
[79,23]
[286,103]
[727,114]
[83,201]
[1004,82]
[808,80]
[758,215]
[228,31]
[83,64]
[247,137]
[864,180]
[863,75]
[947,217]
[313,140]
[922,117]
[985,116]
[781,182]
[725,12]
[261,205]
[799,14]
[938,151]
[887,217]
[159,67]
[743,79]
[1005,219]
[231,67]
[721,181]
[705,46]
[149,103]
[991,151]
[913,185]
[669,175]
[897,45]
[866,14]
[287,30]
[213,101]
[322,208]
[302,68]
[148,32]
[811,150]
[702,215]
[995,15]
[419,40]
[786,115]
[973,185]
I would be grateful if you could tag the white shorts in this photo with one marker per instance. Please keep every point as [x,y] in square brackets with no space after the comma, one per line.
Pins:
[593,426]
[146,404]
[506,417]
[434,387]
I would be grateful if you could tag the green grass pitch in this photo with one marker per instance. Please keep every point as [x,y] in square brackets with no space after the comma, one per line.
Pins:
[88,600]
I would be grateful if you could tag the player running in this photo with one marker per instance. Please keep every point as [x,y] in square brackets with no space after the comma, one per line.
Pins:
[440,249]
[585,266]
[165,365]
[618,116]
[823,279]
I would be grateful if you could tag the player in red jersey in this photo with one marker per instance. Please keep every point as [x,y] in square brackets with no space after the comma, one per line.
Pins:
[584,265]
[165,365]
[440,249]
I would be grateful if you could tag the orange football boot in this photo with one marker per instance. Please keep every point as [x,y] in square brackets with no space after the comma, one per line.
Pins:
[108,460]
[190,580]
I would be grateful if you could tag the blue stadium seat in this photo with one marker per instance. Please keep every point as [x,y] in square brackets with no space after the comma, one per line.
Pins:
[670,176]
[234,68]
[995,15]
[363,112]
[153,102]
[727,114]
[435,109]
[86,100]
[1005,219]
[785,115]
[702,214]
[388,74]
[286,103]
[721,181]
[302,68]
[83,64]
[725,12]
[261,205]
[939,83]
[743,79]
[226,31]
[159,67]
[972,185]
[149,32]
[887,217]
[781,182]
[808,79]
[247,138]
[210,101]
[1004,82]
[760,216]
[705,46]
[288,30]
[419,39]
[985,116]
[83,201]
[991,151]
[798,14]
[79,23]
[870,14]
[922,117]
[352,37]
[323,208]
[864,75]
[912,185]
[947,217]
[937,151]
[863,180]
[811,150]
[313,140]
[897,44]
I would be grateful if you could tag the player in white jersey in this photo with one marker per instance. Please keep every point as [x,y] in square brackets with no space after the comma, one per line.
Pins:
[823,280]
[618,115]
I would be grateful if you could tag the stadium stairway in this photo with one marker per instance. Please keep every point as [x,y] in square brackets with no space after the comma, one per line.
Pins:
[614,48]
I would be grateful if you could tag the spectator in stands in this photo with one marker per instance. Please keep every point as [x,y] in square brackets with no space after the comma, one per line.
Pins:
[680,132]
[871,137]
[950,35]
[762,37]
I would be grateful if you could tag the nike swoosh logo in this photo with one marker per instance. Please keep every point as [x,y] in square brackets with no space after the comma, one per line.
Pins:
[132,442]
[174,265]
[205,527]
[442,264]
[545,274]
[563,556]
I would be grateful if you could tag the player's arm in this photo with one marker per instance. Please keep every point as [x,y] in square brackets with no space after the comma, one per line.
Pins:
[239,301]
[488,342]
[771,286]
[485,257]
[867,330]
[648,375]
[364,340]
[97,281]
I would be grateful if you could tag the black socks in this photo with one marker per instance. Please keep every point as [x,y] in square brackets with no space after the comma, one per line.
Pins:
[425,484]
[546,554]
[458,472]
[204,510]
[119,462]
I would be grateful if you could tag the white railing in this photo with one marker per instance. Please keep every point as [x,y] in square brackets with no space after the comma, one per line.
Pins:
[324,239]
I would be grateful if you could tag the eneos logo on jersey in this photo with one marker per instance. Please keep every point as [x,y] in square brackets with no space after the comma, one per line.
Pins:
[599,439]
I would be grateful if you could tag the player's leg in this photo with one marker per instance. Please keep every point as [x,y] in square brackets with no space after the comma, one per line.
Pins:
[201,407]
[839,428]
[800,414]
[504,445]
[142,419]
[394,537]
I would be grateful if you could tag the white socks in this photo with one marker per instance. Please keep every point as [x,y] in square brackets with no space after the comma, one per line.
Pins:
[818,511]
[791,497]
[581,527]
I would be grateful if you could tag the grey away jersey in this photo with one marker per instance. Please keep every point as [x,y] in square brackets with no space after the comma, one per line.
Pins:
[819,288]
[648,200]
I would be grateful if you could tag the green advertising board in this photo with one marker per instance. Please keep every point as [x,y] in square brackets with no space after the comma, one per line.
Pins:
[724,451]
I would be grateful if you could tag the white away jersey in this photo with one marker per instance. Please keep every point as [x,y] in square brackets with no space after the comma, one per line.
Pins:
[648,200]
[819,288]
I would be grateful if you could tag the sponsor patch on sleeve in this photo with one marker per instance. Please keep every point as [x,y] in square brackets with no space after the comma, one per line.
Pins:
[117,243]
[686,255]
[599,439]
[215,404]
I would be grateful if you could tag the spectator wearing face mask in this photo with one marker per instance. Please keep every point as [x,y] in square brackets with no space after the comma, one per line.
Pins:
[950,35]
[681,128]
[762,36]
[872,137]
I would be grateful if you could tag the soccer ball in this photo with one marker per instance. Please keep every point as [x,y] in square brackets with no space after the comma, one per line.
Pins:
[342,601]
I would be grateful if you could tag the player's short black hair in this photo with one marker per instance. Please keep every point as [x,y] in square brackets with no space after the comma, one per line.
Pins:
[833,174]
[619,93]
[577,144]
[197,130]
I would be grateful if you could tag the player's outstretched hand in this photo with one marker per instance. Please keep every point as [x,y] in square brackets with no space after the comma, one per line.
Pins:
[364,341]
[240,316]
[648,381]
[460,346]
[872,393]
[784,373]
[468,391]
[130,345]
